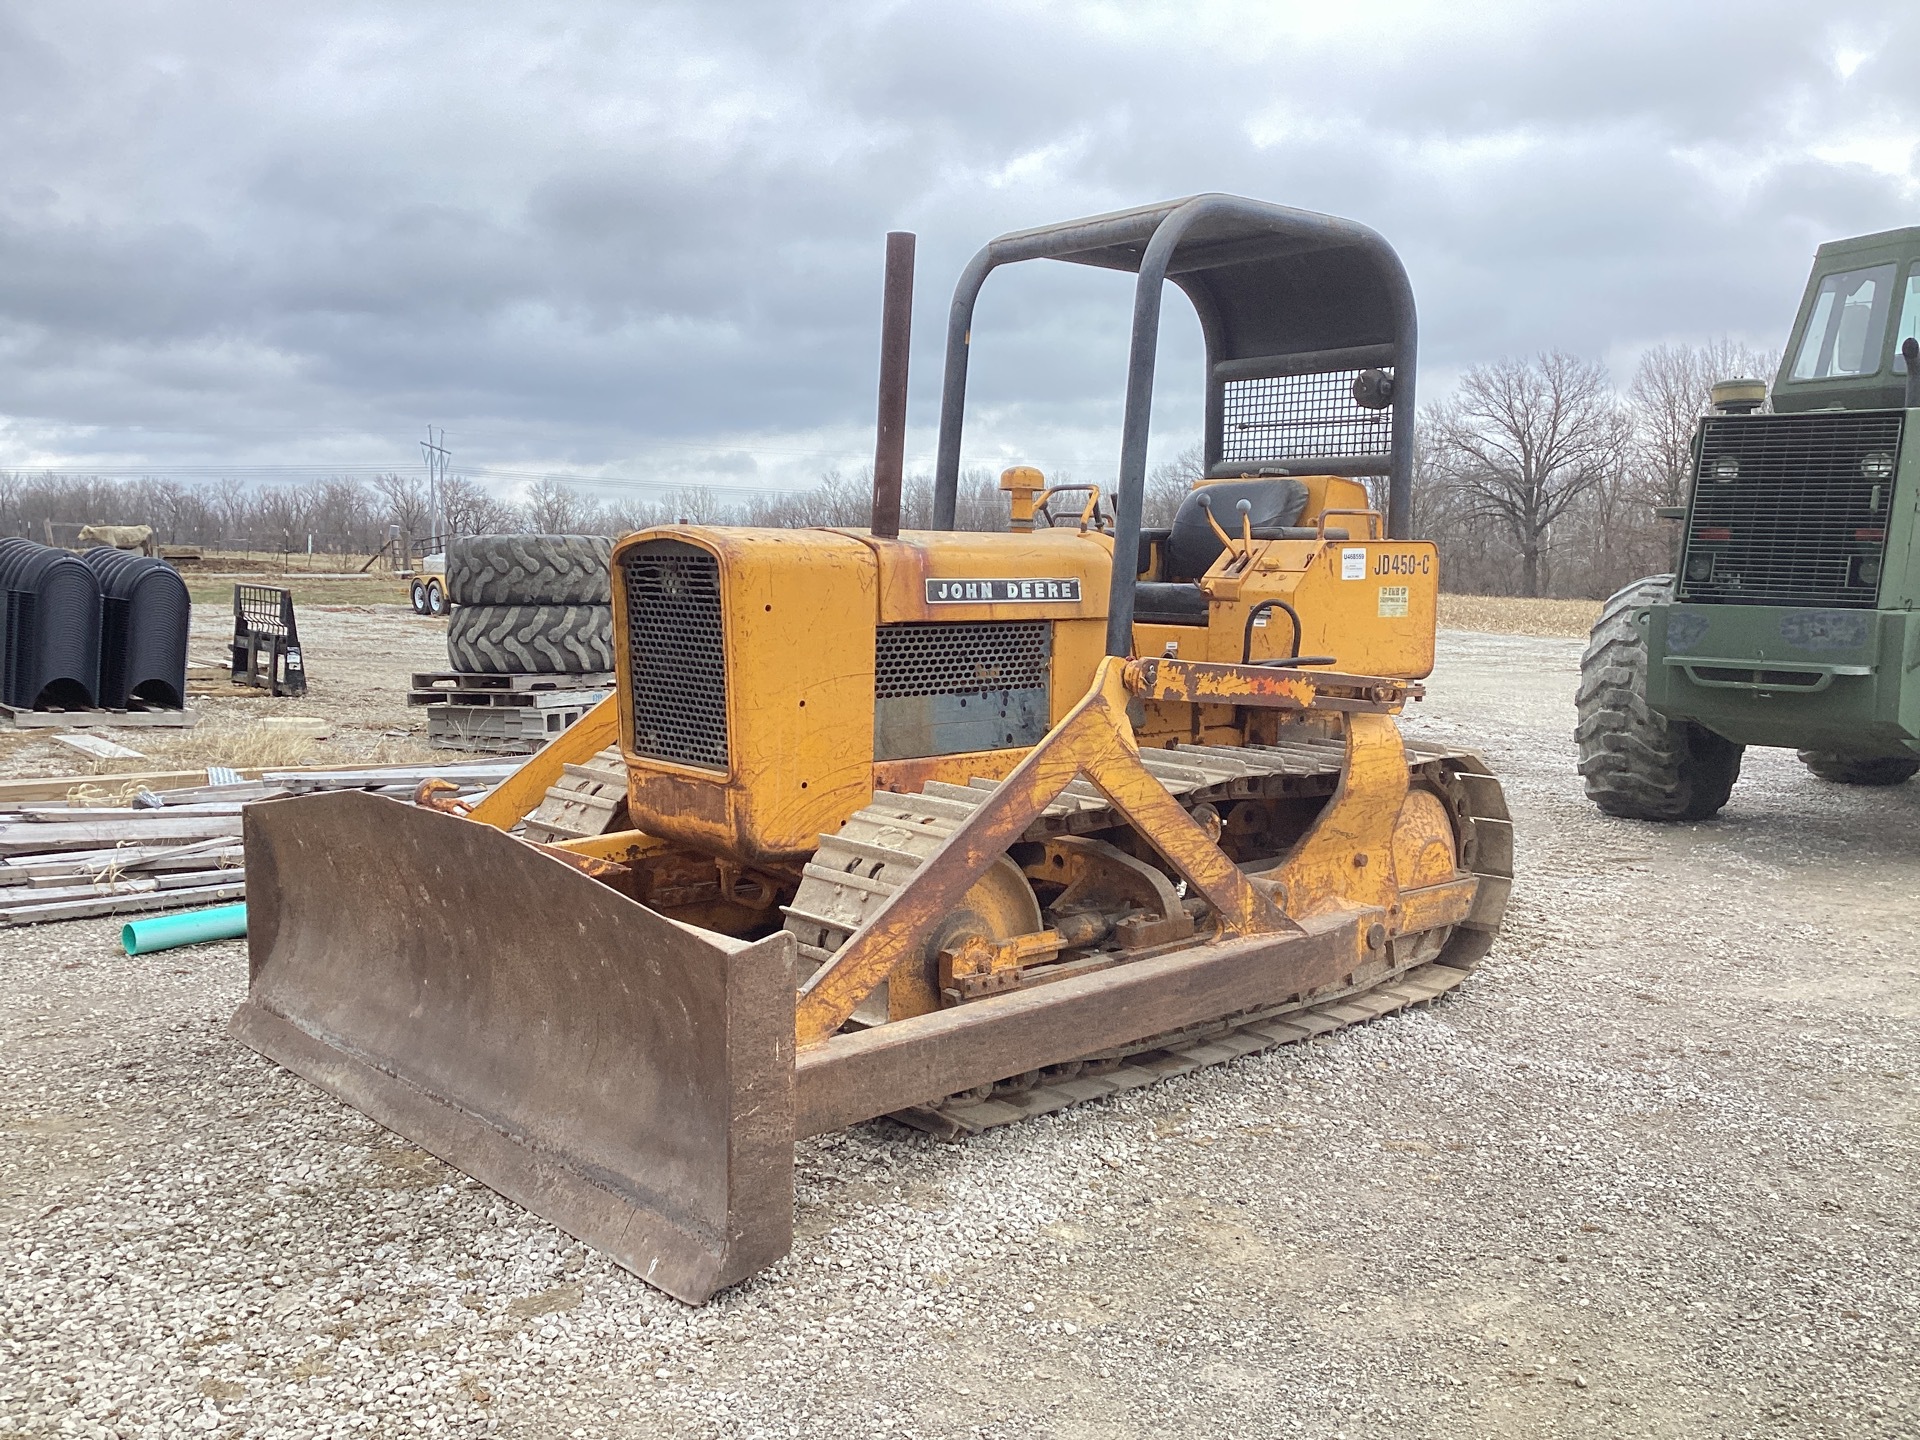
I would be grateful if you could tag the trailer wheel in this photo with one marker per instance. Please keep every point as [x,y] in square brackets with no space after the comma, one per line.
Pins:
[436,598]
[417,593]
[1861,770]
[529,569]
[1633,762]
[530,639]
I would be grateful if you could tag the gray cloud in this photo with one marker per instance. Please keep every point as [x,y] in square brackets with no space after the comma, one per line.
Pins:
[645,240]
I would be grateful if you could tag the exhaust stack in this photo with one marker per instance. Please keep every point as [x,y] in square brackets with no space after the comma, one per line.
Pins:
[896,331]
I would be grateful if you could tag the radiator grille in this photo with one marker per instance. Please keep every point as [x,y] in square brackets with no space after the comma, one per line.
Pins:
[678,654]
[1297,417]
[969,657]
[1788,509]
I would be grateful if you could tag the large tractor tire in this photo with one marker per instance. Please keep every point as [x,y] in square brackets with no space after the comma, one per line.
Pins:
[529,569]
[1861,770]
[530,639]
[1637,764]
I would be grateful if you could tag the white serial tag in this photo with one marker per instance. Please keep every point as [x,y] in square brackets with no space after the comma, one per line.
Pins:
[1353,564]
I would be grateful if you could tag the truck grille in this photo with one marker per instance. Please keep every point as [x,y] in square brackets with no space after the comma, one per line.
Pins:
[1789,510]
[677,654]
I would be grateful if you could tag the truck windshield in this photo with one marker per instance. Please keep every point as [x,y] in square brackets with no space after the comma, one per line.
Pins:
[1909,321]
[1849,319]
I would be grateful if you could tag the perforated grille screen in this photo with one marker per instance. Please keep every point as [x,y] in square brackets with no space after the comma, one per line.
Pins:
[1791,509]
[678,654]
[1294,417]
[960,657]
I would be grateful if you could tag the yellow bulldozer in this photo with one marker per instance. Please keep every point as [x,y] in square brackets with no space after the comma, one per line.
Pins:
[952,827]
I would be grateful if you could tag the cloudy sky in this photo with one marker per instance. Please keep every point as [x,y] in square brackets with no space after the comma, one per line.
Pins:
[644,241]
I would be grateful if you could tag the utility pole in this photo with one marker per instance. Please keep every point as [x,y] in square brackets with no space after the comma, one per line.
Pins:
[438,457]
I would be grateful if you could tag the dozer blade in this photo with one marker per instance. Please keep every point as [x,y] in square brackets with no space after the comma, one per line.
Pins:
[625,1076]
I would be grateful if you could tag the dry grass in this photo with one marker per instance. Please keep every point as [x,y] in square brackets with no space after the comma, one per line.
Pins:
[1509,615]
[249,744]
[240,746]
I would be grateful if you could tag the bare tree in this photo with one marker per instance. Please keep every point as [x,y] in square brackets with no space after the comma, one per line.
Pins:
[552,507]
[1521,440]
[472,509]
[406,498]
[1168,484]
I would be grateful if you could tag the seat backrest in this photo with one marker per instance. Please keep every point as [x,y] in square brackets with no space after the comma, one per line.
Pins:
[1192,548]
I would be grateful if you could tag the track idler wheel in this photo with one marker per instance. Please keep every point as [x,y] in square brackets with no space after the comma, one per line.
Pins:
[1000,907]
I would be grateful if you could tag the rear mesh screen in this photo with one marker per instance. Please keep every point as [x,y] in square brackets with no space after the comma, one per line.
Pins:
[1298,417]
[1791,509]
[678,654]
[960,658]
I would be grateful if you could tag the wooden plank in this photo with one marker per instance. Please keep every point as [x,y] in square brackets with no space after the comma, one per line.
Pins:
[52,894]
[54,814]
[21,868]
[921,1060]
[125,904]
[33,836]
[99,747]
[55,787]
[185,859]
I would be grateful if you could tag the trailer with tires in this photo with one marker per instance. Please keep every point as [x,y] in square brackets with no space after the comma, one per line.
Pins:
[427,587]
[1789,617]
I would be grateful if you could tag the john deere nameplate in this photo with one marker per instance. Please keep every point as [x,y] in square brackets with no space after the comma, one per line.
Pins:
[1000,592]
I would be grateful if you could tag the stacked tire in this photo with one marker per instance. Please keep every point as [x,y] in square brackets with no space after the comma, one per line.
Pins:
[530,604]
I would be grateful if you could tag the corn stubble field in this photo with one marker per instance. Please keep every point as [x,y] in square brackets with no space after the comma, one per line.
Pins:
[1650,1173]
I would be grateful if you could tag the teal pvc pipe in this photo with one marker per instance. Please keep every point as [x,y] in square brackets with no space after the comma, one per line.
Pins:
[189,927]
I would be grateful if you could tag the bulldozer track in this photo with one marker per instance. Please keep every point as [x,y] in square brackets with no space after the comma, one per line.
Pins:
[880,848]
[586,800]
[1165,1057]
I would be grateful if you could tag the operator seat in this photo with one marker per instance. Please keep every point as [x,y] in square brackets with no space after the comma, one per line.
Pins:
[1191,546]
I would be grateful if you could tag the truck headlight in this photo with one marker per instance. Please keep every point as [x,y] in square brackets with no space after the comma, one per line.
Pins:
[1700,567]
[1877,466]
[1726,468]
[1865,572]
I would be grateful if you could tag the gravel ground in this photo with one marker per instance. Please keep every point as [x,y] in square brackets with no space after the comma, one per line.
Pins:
[1650,1173]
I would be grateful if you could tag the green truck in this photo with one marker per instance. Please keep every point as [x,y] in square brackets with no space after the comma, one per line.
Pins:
[1789,618]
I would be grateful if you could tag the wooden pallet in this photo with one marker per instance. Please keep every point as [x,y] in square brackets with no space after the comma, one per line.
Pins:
[523,699]
[14,717]
[448,681]
[498,729]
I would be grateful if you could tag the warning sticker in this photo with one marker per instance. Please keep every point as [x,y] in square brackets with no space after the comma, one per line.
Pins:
[1393,602]
[1353,564]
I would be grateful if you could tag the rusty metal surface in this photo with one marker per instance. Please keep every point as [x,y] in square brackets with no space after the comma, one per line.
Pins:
[1198,682]
[625,1077]
[896,334]
[1459,869]
[1095,740]
[856,1076]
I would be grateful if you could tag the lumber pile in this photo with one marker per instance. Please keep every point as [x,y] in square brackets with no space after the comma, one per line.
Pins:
[150,849]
